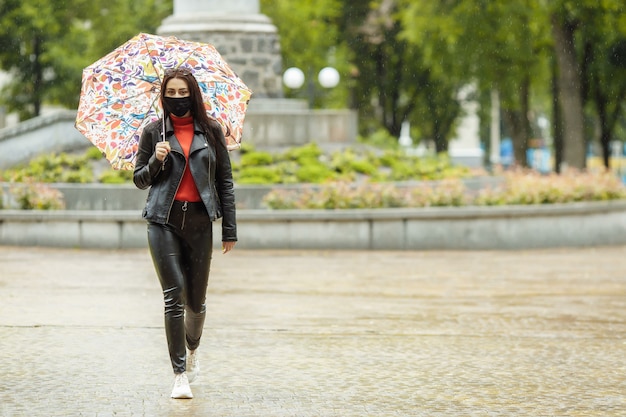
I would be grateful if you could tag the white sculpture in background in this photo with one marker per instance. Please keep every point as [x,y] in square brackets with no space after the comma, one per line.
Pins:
[406,141]
[405,135]
[464,147]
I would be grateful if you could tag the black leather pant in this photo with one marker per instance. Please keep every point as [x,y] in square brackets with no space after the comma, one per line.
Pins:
[181,251]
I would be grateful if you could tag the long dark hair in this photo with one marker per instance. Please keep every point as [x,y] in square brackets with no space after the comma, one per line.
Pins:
[198,111]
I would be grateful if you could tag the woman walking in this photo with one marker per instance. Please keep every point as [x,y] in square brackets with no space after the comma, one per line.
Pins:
[184,160]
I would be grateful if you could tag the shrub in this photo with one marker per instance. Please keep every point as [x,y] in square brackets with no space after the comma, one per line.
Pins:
[256,158]
[303,154]
[258,175]
[363,166]
[528,187]
[337,195]
[390,165]
[281,200]
[314,172]
[94,154]
[450,192]
[381,138]
[32,195]
[381,195]
[81,175]
[520,187]
[295,165]
[54,168]
[116,176]
[288,171]
[403,167]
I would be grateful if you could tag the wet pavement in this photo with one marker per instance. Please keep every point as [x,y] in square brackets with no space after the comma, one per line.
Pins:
[321,333]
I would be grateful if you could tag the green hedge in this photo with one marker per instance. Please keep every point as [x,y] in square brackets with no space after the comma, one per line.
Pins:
[305,164]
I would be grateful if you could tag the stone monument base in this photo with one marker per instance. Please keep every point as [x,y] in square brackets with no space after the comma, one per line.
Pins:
[278,123]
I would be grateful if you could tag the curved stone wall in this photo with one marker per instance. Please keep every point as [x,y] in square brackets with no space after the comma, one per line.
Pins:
[448,228]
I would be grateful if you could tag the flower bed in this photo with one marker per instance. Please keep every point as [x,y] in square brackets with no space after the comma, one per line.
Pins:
[518,188]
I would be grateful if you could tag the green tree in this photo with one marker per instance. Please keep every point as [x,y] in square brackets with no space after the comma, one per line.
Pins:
[493,44]
[569,95]
[383,75]
[45,44]
[127,17]
[604,84]
[393,81]
[583,32]
[31,32]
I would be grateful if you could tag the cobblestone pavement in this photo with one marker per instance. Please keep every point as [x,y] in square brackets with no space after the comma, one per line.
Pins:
[321,333]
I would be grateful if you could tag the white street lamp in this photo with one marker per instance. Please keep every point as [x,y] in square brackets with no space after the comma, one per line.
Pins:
[293,77]
[328,77]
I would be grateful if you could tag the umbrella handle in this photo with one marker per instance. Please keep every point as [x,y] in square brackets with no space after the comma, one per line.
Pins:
[163,139]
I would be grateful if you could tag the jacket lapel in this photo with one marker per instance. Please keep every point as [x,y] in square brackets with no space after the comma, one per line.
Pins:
[199,140]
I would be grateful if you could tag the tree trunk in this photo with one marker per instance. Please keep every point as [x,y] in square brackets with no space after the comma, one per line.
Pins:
[607,118]
[37,76]
[494,129]
[569,95]
[608,108]
[605,130]
[521,146]
[518,123]
[515,122]
[442,120]
[605,143]
[557,122]
[441,144]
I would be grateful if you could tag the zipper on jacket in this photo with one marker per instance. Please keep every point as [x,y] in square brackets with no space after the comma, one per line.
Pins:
[181,180]
[184,209]
[169,212]
[209,173]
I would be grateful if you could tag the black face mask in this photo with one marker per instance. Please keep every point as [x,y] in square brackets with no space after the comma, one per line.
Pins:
[178,106]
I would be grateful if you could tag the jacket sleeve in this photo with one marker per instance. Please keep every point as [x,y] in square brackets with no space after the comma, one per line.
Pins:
[147,166]
[225,188]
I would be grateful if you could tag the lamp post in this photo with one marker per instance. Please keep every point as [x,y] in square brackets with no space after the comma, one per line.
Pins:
[294,78]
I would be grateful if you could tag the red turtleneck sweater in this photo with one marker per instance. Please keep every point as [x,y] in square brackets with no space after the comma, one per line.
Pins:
[183,130]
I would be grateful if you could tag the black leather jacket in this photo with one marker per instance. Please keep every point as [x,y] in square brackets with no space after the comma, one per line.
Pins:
[210,168]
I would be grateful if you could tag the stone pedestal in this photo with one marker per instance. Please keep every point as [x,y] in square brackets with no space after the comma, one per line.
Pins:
[249,42]
[246,39]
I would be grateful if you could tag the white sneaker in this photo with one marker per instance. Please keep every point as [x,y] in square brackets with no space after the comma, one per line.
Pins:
[181,386]
[193,365]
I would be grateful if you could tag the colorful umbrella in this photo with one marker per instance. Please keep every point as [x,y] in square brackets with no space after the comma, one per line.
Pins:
[120,93]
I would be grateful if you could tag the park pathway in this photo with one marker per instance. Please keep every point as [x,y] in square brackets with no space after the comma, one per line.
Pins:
[321,334]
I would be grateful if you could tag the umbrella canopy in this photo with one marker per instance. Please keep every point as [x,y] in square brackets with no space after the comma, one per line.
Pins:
[120,93]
